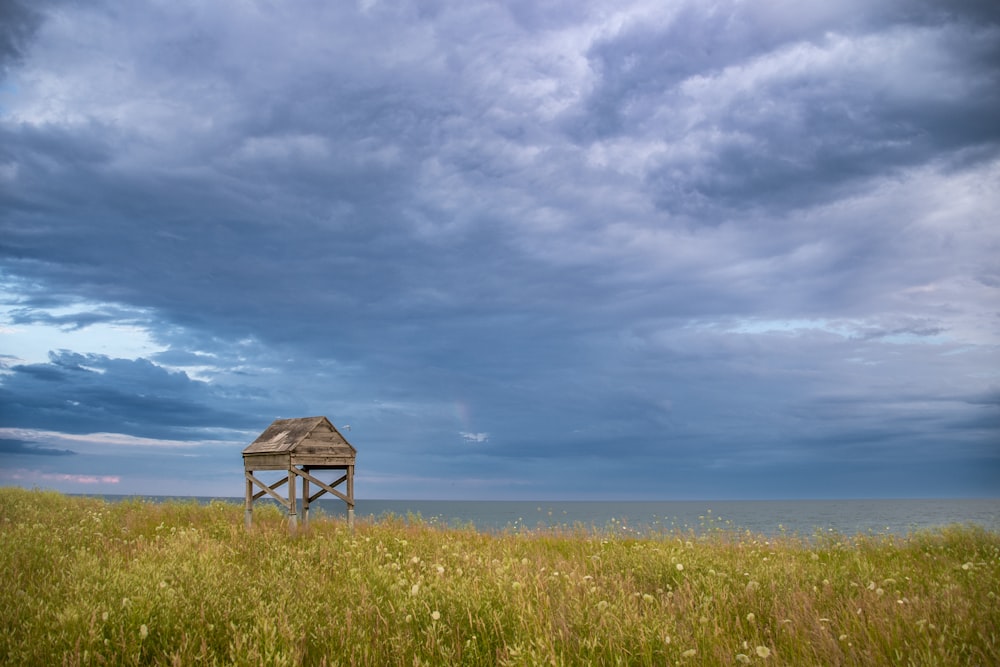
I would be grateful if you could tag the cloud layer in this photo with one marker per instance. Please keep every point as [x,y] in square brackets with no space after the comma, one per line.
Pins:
[591,249]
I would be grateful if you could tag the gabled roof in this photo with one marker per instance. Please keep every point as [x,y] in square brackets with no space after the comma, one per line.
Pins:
[284,435]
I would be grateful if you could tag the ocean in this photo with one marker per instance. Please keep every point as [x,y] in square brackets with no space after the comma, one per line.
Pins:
[760,517]
[764,517]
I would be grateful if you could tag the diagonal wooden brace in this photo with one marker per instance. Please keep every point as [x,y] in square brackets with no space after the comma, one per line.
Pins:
[324,488]
[269,489]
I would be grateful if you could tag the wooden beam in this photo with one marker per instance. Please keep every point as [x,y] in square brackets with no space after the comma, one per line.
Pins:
[324,488]
[305,501]
[283,480]
[350,496]
[350,485]
[267,489]
[248,505]
[293,520]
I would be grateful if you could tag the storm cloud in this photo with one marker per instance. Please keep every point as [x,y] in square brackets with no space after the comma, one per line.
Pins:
[587,249]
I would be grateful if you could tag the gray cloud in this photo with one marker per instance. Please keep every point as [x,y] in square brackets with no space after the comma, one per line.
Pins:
[9,446]
[76,393]
[744,237]
[18,23]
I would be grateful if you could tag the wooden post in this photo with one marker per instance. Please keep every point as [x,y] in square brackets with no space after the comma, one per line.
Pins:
[350,496]
[293,519]
[305,498]
[248,504]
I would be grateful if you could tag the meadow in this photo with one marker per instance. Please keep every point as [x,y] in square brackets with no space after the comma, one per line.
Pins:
[90,582]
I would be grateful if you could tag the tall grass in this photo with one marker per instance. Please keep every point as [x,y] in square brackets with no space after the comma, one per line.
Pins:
[88,582]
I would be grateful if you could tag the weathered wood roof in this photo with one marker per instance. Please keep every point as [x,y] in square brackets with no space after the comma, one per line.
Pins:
[285,436]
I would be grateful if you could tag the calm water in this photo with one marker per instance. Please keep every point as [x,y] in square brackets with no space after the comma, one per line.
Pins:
[768,517]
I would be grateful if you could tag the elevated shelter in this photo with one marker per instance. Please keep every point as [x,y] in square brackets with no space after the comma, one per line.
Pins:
[299,447]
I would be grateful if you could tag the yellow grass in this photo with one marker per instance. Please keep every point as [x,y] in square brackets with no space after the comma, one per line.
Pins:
[87,582]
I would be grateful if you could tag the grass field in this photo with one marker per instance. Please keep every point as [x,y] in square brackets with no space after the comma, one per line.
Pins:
[89,582]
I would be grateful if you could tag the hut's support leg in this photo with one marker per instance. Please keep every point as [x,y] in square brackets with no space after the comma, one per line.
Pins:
[293,519]
[305,499]
[350,496]
[248,504]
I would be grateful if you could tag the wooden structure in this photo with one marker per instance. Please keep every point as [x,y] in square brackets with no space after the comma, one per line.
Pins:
[299,447]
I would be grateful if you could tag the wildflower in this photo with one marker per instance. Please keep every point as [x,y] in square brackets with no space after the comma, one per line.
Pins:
[436,615]
[646,597]
[163,584]
[742,659]
[680,568]
[966,566]
[751,617]
[602,605]
[842,637]
[763,651]
[143,631]
[414,589]
[440,569]
[666,639]
[104,616]
[409,618]
[689,653]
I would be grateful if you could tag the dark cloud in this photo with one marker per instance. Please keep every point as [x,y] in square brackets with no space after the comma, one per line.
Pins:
[18,22]
[77,393]
[606,240]
[72,321]
[799,112]
[21,447]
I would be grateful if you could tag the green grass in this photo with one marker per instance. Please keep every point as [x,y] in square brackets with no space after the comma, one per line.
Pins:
[89,582]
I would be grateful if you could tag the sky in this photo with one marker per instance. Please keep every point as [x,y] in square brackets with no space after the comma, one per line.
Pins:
[512,250]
